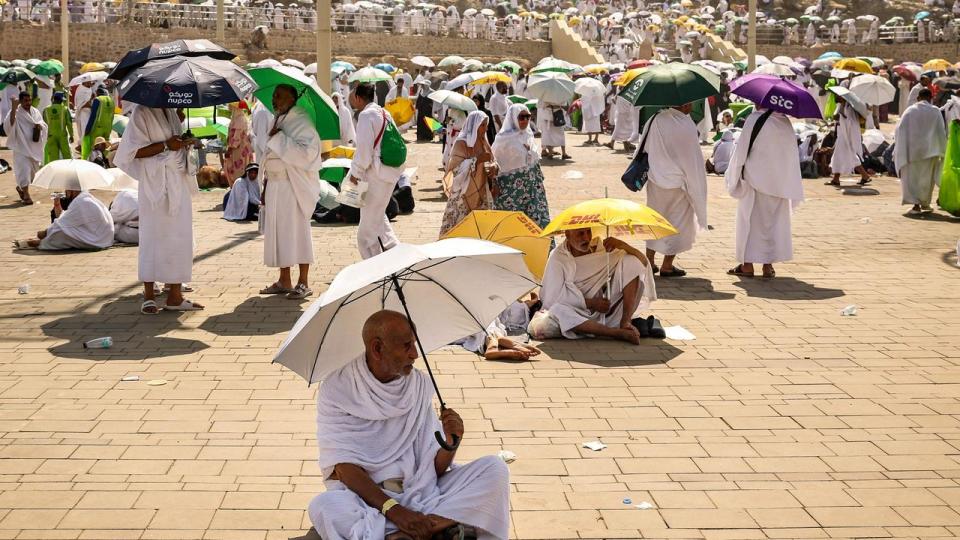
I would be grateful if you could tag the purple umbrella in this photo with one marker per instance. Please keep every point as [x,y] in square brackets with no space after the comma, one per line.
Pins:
[780,95]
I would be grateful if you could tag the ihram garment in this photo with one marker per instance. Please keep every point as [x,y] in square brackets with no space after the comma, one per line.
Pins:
[921,141]
[85,224]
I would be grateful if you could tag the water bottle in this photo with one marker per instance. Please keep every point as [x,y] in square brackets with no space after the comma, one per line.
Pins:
[99,343]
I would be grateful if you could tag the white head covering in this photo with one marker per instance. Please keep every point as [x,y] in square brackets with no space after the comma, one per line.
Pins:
[471,128]
[515,148]
[511,126]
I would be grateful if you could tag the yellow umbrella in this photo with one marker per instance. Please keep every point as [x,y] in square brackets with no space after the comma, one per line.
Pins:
[512,229]
[344,152]
[938,64]
[92,66]
[492,77]
[612,217]
[628,76]
[854,64]
[596,69]
[401,109]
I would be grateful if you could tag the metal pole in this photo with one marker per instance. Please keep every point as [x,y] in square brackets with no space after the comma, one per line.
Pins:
[65,40]
[752,37]
[324,54]
[221,31]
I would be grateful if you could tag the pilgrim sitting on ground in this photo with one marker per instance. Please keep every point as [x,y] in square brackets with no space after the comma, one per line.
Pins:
[384,473]
[595,290]
[125,210]
[494,343]
[242,202]
[85,224]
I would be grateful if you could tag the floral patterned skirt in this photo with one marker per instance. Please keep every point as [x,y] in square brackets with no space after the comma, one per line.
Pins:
[522,191]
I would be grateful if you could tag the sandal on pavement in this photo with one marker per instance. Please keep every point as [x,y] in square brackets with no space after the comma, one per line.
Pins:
[22,244]
[458,532]
[738,271]
[675,272]
[770,275]
[276,289]
[149,307]
[300,292]
[186,305]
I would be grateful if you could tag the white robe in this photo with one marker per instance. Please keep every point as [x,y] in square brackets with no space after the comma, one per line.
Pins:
[677,182]
[499,105]
[568,281]
[723,151]
[165,188]
[125,210]
[291,170]
[82,114]
[848,148]
[387,430]
[27,154]
[591,107]
[85,224]
[374,226]
[243,193]
[550,135]
[627,121]
[261,119]
[905,92]
[921,141]
[767,190]
[348,133]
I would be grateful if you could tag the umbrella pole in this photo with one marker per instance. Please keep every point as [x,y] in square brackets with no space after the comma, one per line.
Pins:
[406,311]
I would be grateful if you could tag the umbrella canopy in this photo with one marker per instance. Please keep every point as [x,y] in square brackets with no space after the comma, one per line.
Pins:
[384,66]
[181,47]
[422,61]
[947,83]
[851,98]
[586,86]
[310,69]
[511,229]
[347,66]
[48,68]
[772,92]
[509,65]
[554,64]
[462,80]
[335,169]
[612,217]
[639,64]
[369,74]
[318,106]
[438,283]
[453,100]
[16,75]
[449,61]
[909,72]
[831,54]
[121,181]
[938,64]
[92,66]
[671,85]
[778,70]
[472,65]
[627,76]
[551,87]
[72,174]
[186,82]
[491,77]
[90,76]
[873,89]
[294,63]
[853,64]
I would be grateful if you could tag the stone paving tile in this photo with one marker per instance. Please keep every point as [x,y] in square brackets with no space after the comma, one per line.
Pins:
[781,420]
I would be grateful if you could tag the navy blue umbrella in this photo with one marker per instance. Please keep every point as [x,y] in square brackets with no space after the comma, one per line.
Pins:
[181,47]
[186,83]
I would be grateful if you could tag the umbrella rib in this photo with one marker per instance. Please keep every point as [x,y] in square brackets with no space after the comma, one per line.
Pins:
[454,297]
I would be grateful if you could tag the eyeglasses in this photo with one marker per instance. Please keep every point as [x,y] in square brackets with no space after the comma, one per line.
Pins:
[523,117]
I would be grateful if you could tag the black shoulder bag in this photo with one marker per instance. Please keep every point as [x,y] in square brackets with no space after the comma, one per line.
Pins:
[753,137]
[635,177]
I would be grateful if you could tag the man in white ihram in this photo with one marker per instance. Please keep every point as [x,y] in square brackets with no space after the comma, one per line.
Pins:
[26,137]
[291,165]
[768,190]
[921,141]
[385,475]
[677,184]
[374,228]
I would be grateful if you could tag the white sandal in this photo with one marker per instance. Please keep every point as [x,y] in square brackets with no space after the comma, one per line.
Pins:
[22,244]
[147,304]
[186,305]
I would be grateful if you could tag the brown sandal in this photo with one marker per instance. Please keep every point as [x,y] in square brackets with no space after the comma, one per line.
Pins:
[738,271]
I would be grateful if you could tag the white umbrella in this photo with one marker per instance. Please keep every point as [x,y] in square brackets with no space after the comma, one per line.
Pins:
[72,174]
[873,89]
[784,60]
[453,100]
[434,284]
[121,180]
[587,86]
[779,70]
[369,74]
[463,80]
[310,69]
[551,87]
[472,65]
[90,76]
[469,12]
[488,12]
[452,60]
[269,62]
[294,63]
[851,98]
[422,61]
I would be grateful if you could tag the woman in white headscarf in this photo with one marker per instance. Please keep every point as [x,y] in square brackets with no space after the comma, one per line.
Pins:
[520,183]
[468,171]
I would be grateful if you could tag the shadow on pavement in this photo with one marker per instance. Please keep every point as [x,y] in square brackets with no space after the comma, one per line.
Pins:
[610,353]
[933,216]
[786,288]
[310,535]
[689,289]
[950,258]
[859,191]
[257,316]
[135,336]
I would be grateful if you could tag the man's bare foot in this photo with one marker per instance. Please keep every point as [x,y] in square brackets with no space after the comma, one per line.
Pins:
[628,334]
[515,355]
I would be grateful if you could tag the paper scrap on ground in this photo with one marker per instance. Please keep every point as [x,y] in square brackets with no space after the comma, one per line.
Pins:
[157,382]
[130,378]
[865,220]
[23,289]
[644,505]
[596,446]
[572,175]
[849,311]
[507,456]
[679,333]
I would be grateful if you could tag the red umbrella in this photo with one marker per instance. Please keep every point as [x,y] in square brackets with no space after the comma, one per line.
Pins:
[639,64]
[906,72]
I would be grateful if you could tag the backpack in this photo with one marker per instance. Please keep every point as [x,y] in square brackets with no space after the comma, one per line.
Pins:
[393,151]
[558,119]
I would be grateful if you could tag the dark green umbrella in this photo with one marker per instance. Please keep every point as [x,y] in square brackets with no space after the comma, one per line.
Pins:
[318,106]
[16,75]
[48,68]
[671,85]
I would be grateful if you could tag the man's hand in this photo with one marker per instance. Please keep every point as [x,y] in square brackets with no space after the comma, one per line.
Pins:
[598,305]
[452,423]
[354,179]
[57,207]
[413,523]
[610,243]
[174,143]
[42,234]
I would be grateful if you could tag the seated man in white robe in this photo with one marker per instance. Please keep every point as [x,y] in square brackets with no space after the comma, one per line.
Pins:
[722,151]
[242,202]
[385,475]
[767,190]
[85,224]
[594,290]
[921,141]
[125,210]
[676,185]
[26,137]
[291,165]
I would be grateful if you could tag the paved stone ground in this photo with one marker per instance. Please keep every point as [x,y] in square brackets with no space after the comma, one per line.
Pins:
[782,420]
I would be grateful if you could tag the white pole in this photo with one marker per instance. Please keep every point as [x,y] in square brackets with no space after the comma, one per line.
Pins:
[324,54]
[221,31]
[65,40]
[752,37]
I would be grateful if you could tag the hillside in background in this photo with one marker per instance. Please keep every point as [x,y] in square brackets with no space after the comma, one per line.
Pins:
[881,8]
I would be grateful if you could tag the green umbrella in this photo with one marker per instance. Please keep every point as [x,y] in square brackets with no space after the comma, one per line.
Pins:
[517,99]
[554,64]
[16,75]
[369,74]
[49,68]
[4,64]
[671,85]
[335,170]
[509,65]
[318,106]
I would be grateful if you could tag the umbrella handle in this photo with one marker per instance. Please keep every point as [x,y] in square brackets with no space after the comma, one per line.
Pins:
[443,443]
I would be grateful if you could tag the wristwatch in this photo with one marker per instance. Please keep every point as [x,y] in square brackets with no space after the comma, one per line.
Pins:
[387,505]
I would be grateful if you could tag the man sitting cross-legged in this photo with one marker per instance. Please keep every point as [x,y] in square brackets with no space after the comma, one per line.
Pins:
[385,475]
